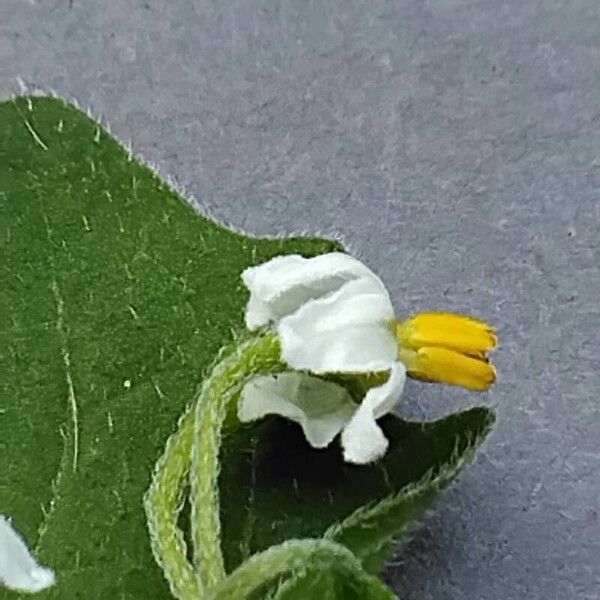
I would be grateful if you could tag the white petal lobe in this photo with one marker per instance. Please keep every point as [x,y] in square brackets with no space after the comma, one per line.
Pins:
[282,285]
[362,439]
[18,569]
[346,331]
[321,408]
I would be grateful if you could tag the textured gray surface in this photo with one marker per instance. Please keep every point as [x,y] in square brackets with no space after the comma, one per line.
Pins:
[455,145]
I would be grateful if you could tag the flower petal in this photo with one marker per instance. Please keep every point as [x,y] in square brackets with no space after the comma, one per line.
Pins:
[320,407]
[18,569]
[281,285]
[346,331]
[362,439]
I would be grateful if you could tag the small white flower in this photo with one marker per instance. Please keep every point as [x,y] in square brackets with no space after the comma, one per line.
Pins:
[18,569]
[332,315]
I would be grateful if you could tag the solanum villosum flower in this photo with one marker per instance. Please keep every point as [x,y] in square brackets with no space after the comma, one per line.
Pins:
[330,355]
[334,316]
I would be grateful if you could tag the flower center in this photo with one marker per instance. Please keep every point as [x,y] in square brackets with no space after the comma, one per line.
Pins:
[447,348]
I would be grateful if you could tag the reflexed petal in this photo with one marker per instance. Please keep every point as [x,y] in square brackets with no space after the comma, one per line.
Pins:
[320,407]
[362,439]
[347,331]
[283,284]
[18,569]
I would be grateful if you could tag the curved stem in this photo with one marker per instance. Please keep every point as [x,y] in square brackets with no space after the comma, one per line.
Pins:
[163,500]
[291,556]
[162,503]
[258,355]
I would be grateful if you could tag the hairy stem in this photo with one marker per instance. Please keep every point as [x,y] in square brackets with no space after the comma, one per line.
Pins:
[292,556]
[163,502]
[196,442]
[258,355]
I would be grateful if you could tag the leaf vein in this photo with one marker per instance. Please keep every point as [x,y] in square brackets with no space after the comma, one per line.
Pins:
[66,358]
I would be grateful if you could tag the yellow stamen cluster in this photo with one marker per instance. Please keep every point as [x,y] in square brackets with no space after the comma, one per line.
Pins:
[447,348]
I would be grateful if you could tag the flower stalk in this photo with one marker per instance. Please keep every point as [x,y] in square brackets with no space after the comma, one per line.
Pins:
[258,355]
[192,454]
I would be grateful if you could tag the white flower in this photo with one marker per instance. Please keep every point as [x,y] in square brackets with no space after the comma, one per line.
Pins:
[332,315]
[18,569]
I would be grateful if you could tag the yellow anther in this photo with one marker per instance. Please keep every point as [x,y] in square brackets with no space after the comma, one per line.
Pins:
[447,348]
[446,330]
[447,366]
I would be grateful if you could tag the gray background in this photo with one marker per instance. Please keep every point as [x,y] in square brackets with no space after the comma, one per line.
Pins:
[455,146]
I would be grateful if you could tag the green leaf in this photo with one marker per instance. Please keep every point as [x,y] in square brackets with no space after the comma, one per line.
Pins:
[115,297]
[293,490]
